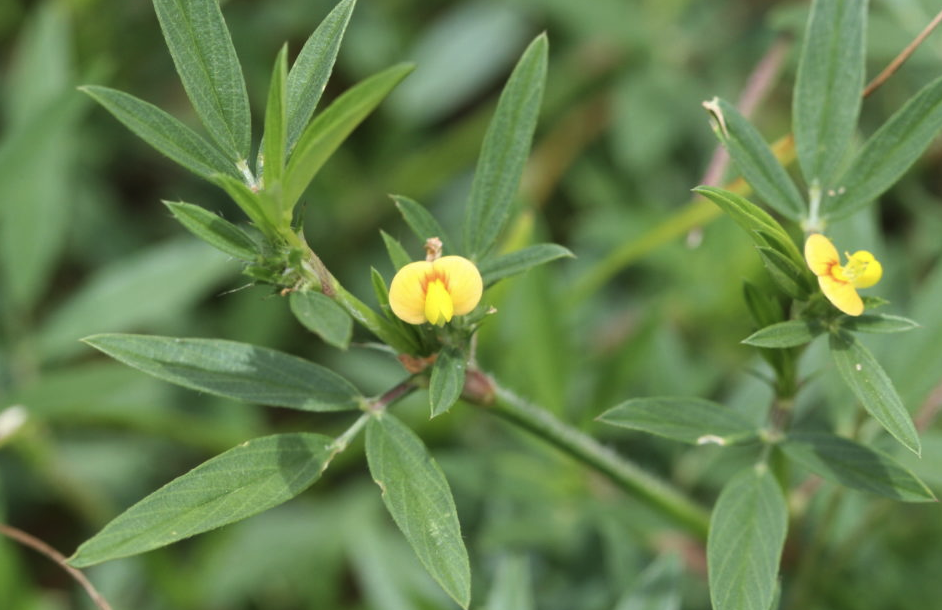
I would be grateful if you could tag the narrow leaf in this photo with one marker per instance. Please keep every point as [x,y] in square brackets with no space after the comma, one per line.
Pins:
[889,152]
[791,278]
[162,131]
[331,127]
[276,123]
[878,323]
[690,420]
[233,370]
[447,380]
[846,462]
[785,334]
[747,533]
[828,88]
[259,208]
[321,315]
[422,223]
[507,265]
[380,289]
[505,150]
[755,160]
[873,388]
[246,480]
[417,496]
[215,231]
[397,254]
[206,61]
[312,68]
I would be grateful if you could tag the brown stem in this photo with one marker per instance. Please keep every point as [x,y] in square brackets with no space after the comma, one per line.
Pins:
[898,61]
[41,547]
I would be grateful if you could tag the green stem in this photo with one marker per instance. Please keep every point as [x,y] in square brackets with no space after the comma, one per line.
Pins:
[654,492]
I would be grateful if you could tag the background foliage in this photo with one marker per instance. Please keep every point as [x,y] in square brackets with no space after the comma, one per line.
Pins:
[651,306]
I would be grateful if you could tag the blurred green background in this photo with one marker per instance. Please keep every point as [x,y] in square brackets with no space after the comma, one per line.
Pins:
[86,247]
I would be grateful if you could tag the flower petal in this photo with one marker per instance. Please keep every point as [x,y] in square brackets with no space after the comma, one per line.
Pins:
[872,269]
[820,254]
[464,282]
[407,292]
[842,295]
[439,307]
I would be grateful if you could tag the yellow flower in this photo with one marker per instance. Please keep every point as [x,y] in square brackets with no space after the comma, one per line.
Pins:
[435,291]
[840,283]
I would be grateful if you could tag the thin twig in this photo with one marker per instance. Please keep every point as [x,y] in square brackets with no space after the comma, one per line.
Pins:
[41,547]
[894,65]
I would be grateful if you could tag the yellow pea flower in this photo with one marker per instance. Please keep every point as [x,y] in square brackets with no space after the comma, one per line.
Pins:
[435,291]
[839,283]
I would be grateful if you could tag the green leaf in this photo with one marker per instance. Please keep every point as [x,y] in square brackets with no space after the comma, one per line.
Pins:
[880,323]
[321,315]
[256,205]
[494,269]
[447,380]
[690,420]
[747,533]
[417,496]
[312,68]
[244,481]
[397,254]
[889,152]
[206,61]
[785,334]
[752,155]
[505,150]
[792,279]
[275,140]
[765,308]
[512,588]
[659,587]
[380,290]
[215,231]
[162,131]
[764,230]
[843,461]
[152,287]
[873,388]
[233,370]
[829,85]
[331,127]
[422,223]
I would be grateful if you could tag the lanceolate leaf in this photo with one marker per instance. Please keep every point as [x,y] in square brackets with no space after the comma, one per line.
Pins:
[747,533]
[497,268]
[418,498]
[312,68]
[397,254]
[691,420]
[215,231]
[332,126]
[828,87]
[422,223]
[321,315]
[505,150]
[256,205]
[843,461]
[785,334]
[233,370]
[447,380]
[755,160]
[165,133]
[889,152]
[873,388]
[276,124]
[878,323]
[246,480]
[202,51]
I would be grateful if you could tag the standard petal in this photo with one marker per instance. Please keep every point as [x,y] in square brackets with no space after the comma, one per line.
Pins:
[842,295]
[464,282]
[820,254]
[407,292]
